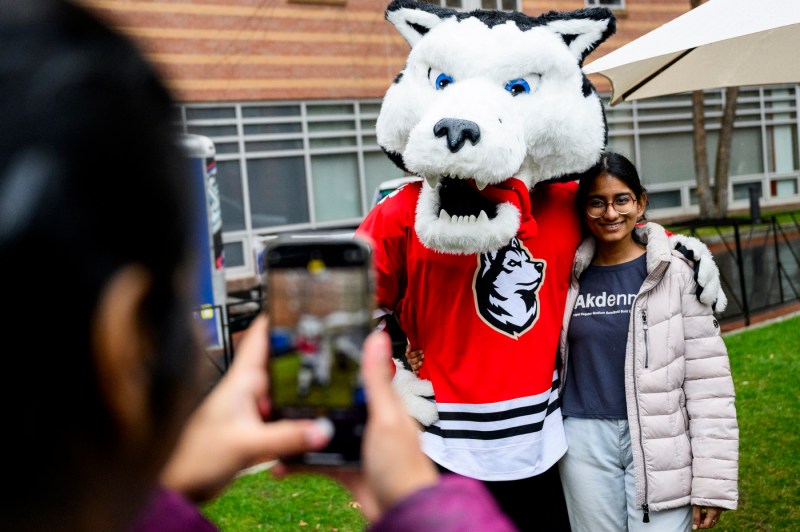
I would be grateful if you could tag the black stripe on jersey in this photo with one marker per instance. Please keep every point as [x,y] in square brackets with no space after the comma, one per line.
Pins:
[485,434]
[496,416]
[505,414]
[493,416]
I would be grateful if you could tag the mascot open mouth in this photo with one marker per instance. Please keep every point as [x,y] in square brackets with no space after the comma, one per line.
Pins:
[461,198]
[458,217]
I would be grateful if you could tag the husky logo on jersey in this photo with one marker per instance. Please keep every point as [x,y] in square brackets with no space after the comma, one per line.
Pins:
[506,288]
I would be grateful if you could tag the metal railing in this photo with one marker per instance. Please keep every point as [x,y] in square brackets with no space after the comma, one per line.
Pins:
[759,261]
[240,312]
[213,323]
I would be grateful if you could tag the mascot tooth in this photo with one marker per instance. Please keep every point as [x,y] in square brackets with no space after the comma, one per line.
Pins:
[492,109]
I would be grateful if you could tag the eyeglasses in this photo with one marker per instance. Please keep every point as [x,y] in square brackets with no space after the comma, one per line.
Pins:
[623,205]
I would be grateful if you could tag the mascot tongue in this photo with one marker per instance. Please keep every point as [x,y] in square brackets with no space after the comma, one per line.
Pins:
[512,191]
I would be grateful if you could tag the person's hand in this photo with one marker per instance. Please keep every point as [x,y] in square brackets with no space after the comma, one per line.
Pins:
[705,516]
[228,432]
[393,462]
[415,358]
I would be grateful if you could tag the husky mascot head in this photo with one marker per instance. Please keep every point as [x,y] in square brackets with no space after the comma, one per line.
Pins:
[488,104]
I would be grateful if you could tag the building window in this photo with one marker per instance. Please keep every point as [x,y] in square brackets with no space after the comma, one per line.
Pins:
[664,200]
[781,130]
[741,191]
[320,2]
[611,4]
[298,166]
[290,167]
[471,5]
[278,192]
[783,187]
[656,134]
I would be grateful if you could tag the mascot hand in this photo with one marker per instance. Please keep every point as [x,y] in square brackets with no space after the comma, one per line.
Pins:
[706,273]
[416,393]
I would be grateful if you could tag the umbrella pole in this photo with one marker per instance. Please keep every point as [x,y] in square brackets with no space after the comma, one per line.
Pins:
[646,80]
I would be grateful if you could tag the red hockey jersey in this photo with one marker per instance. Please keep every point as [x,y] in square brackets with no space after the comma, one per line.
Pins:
[489,325]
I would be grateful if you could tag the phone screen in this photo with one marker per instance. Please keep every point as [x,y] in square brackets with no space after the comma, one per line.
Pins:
[319,299]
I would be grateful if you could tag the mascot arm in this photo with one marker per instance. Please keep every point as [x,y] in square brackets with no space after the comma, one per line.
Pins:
[706,273]
[416,393]
[386,229]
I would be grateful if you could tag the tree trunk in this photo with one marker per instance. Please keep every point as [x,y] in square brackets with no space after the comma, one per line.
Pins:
[712,205]
[704,196]
[724,151]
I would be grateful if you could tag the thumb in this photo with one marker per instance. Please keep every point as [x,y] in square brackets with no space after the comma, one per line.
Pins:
[376,370]
[290,437]
[695,517]
[252,348]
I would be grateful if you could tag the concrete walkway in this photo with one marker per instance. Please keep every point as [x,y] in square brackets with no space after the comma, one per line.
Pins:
[769,316]
[762,320]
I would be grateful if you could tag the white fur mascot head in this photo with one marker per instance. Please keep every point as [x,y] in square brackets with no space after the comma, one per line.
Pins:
[490,103]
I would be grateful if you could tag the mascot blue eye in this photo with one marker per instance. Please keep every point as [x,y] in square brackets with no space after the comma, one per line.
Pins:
[442,81]
[518,86]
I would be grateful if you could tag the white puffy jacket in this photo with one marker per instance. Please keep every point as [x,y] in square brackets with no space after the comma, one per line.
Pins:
[678,385]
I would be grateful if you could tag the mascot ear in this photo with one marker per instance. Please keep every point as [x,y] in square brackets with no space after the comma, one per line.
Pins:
[583,30]
[414,19]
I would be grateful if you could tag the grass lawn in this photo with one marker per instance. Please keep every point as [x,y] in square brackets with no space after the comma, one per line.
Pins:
[766,370]
[297,502]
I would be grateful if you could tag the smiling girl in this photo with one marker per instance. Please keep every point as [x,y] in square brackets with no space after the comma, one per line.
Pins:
[648,399]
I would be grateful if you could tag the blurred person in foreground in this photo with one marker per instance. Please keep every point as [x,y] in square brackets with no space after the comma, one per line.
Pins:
[113,429]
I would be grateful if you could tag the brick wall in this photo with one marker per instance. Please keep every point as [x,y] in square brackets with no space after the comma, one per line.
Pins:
[243,50]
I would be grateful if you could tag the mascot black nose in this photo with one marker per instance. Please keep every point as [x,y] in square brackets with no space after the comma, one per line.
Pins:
[458,131]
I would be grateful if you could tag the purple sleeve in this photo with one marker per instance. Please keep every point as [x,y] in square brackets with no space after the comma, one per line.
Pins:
[456,503]
[169,511]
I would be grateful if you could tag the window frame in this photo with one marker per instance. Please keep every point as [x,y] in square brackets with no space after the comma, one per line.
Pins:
[629,122]
[618,6]
[472,5]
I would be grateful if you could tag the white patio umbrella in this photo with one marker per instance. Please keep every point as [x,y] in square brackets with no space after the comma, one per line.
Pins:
[722,43]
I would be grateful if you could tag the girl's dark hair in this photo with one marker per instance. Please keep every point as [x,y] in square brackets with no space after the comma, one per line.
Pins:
[91,180]
[616,165]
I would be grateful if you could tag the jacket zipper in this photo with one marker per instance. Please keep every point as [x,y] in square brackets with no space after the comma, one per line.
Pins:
[645,507]
[646,350]
[656,274]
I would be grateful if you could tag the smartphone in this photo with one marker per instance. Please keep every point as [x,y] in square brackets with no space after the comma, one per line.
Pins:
[319,297]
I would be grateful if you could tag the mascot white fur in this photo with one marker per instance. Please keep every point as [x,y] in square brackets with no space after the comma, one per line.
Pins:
[493,110]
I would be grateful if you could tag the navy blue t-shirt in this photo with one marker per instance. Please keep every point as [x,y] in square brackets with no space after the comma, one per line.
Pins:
[598,332]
